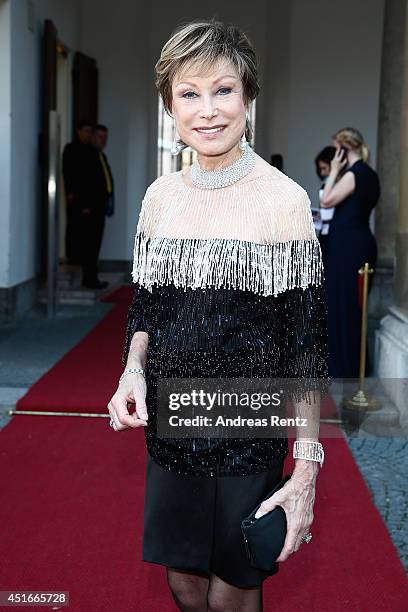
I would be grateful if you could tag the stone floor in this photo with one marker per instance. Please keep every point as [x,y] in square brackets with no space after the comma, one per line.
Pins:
[383,463]
[31,346]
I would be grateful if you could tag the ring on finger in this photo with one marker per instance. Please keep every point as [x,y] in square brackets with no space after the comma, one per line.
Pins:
[306,537]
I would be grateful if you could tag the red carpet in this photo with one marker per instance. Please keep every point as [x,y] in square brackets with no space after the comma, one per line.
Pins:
[72,508]
[71,517]
[121,294]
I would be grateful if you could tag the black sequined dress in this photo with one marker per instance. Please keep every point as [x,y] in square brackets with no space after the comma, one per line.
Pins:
[217,306]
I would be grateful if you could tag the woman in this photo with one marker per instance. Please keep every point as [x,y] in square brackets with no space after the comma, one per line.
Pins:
[322,163]
[351,244]
[228,283]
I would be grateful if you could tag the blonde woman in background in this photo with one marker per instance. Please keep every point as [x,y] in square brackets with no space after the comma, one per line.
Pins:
[350,244]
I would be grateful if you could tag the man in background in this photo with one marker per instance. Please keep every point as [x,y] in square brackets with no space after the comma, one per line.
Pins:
[100,140]
[99,203]
[74,161]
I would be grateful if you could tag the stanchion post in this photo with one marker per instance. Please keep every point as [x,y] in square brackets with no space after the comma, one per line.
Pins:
[360,400]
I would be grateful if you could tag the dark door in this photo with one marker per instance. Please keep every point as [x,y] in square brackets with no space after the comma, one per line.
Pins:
[85,89]
[49,102]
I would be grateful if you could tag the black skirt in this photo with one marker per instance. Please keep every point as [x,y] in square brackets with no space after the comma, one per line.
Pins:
[194,522]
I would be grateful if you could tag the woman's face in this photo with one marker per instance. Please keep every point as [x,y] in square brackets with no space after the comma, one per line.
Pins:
[209,109]
[324,168]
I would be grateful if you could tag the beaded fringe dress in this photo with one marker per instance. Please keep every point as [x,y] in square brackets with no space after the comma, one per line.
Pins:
[228,282]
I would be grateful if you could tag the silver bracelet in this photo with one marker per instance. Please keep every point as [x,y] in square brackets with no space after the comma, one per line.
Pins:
[132,371]
[308,449]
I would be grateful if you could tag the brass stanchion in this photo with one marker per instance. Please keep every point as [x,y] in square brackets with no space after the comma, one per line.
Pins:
[361,400]
[54,413]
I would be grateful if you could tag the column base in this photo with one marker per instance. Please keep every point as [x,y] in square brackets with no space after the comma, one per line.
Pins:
[391,358]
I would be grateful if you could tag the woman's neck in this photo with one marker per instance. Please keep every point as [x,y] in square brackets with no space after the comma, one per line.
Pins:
[352,157]
[216,162]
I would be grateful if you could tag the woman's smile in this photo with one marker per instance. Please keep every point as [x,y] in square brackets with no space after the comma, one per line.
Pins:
[210,133]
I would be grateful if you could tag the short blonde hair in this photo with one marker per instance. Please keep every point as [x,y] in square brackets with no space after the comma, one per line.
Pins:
[204,43]
[354,139]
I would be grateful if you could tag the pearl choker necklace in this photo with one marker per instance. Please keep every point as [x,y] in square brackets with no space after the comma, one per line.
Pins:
[215,179]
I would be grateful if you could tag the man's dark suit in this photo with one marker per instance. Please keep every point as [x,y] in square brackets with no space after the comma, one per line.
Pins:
[93,224]
[74,160]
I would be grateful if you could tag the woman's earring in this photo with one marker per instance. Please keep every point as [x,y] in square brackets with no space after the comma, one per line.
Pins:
[243,143]
[177,147]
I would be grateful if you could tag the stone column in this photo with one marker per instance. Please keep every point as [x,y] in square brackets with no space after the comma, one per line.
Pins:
[401,272]
[389,133]
[391,340]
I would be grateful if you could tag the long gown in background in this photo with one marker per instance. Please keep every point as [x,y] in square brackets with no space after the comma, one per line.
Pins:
[350,244]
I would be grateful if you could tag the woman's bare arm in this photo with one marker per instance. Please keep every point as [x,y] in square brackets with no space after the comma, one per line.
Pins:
[138,350]
[132,388]
[334,193]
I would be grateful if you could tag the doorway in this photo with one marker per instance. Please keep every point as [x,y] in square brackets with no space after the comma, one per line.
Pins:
[64,109]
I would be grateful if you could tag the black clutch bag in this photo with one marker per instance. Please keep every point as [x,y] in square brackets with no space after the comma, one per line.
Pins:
[264,537]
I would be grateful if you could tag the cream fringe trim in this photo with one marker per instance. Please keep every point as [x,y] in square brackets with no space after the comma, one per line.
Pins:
[266,269]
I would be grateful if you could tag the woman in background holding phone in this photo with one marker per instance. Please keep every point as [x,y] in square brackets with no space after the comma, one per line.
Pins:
[350,244]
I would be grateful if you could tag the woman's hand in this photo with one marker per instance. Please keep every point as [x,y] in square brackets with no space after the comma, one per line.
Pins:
[296,498]
[131,389]
[337,189]
[338,162]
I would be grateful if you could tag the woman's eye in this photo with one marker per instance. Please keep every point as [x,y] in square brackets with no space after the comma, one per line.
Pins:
[190,94]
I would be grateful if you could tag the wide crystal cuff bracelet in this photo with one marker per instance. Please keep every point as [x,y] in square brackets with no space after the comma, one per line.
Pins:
[306,449]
